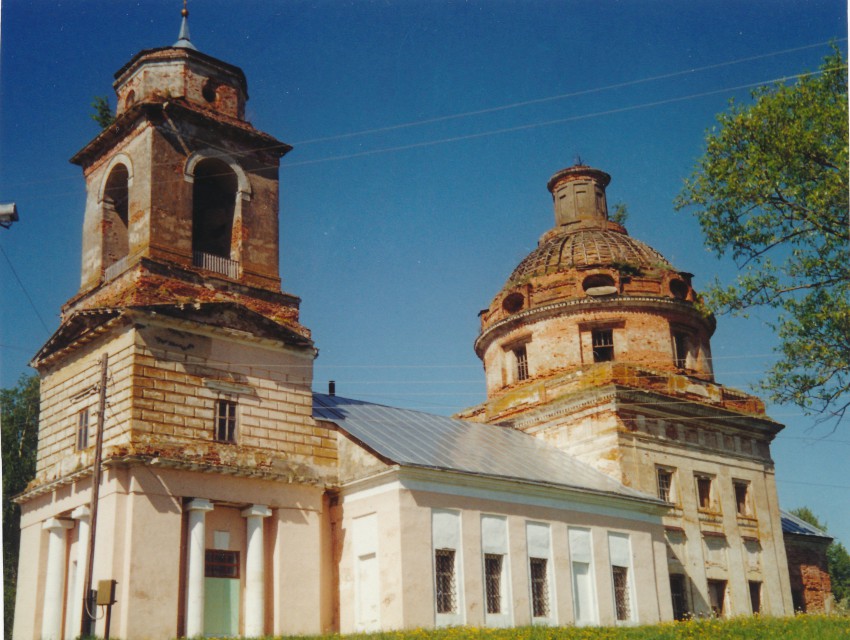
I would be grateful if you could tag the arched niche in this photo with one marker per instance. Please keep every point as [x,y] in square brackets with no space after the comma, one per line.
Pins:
[114,204]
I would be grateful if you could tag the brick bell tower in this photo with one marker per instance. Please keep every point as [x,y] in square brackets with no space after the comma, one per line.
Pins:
[183,353]
[597,345]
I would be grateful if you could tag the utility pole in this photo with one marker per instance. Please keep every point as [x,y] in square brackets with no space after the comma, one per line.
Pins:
[95,495]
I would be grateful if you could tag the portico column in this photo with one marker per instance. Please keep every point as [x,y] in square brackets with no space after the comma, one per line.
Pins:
[82,515]
[255,595]
[196,558]
[54,582]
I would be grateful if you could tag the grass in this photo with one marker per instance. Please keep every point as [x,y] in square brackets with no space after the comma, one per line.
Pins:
[802,627]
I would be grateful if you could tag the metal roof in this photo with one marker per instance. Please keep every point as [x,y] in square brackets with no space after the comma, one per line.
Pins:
[417,439]
[793,524]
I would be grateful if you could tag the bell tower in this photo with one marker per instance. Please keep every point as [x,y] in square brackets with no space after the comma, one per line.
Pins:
[176,394]
[182,192]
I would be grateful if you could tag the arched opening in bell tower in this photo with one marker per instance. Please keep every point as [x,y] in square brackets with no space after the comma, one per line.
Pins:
[213,209]
[116,242]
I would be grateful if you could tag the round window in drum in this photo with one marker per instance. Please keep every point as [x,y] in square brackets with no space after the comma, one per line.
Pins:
[513,302]
[599,284]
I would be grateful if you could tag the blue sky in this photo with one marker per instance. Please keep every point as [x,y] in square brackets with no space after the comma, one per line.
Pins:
[395,238]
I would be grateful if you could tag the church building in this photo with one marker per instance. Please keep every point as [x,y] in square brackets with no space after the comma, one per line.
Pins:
[607,478]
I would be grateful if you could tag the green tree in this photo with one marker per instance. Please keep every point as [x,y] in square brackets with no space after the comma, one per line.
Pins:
[102,112]
[620,213]
[837,559]
[19,432]
[772,190]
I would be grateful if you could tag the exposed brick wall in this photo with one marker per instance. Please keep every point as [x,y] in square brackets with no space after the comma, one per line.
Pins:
[810,583]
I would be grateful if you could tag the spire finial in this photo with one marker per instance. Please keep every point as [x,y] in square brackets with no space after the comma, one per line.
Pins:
[183,39]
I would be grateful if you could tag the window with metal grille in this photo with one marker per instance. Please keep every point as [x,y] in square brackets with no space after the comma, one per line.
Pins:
[225,421]
[83,430]
[621,592]
[664,478]
[742,490]
[677,593]
[221,564]
[704,493]
[521,356]
[755,596]
[603,345]
[493,581]
[539,588]
[444,569]
[680,350]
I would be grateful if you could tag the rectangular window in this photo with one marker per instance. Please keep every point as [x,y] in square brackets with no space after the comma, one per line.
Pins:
[664,481]
[521,356]
[620,576]
[83,430]
[620,554]
[742,490]
[221,564]
[717,596]
[444,569]
[539,587]
[603,345]
[704,493]
[755,596]
[497,583]
[225,420]
[584,590]
[677,593]
[680,350]
[493,581]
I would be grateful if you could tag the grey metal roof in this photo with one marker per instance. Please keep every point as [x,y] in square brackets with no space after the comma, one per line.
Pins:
[417,439]
[793,524]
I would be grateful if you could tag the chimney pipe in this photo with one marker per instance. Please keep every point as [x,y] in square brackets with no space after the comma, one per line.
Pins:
[331,387]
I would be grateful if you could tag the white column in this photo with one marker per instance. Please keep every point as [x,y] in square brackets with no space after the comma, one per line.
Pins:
[255,595]
[82,515]
[54,582]
[196,553]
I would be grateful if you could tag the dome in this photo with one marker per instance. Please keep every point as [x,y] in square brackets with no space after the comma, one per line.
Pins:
[563,249]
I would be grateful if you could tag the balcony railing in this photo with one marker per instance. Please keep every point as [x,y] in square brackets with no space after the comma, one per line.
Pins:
[217,264]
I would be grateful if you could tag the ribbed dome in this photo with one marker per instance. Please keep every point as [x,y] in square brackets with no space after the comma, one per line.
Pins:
[566,249]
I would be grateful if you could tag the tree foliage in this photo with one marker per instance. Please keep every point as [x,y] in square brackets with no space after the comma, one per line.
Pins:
[19,431]
[772,191]
[102,112]
[837,559]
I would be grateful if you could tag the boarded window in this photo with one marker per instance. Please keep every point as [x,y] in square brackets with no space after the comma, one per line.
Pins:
[539,587]
[444,569]
[603,345]
[493,581]
[225,421]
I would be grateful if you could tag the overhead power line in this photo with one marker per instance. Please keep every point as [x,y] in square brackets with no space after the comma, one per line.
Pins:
[24,289]
[563,96]
[521,104]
